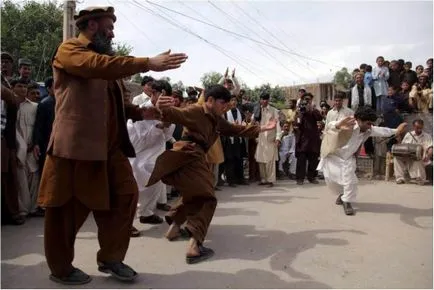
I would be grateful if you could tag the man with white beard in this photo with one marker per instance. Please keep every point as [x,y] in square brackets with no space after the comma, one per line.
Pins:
[149,140]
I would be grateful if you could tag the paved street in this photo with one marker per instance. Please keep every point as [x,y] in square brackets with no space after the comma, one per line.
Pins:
[284,237]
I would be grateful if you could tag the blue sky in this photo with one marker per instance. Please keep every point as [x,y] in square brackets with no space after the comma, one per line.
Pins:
[340,33]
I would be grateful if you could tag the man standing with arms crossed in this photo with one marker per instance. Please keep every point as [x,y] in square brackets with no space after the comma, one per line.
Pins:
[87,166]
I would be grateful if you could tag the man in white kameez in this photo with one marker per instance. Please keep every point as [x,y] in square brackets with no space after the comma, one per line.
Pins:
[287,150]
[342,141]
[145,96]
[339,111]
[149,139]
[27,169]
[415,168]
[266,152]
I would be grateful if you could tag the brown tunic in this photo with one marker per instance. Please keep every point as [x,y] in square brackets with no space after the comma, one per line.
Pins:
[201,127]
[92,182]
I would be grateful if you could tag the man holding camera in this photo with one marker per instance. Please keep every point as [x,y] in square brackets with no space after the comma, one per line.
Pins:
[308,141]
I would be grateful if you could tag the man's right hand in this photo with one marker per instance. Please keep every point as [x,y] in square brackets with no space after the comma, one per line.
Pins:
[166,61]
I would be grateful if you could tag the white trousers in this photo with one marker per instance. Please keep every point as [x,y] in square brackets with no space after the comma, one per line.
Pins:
[416,169]
[28,185]
[292,160]
[149,197]
[349,191]
[267,171]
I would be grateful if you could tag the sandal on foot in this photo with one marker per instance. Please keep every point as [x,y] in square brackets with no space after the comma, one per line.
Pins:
[184,235]
[118,270]
[204,253]
[76,277]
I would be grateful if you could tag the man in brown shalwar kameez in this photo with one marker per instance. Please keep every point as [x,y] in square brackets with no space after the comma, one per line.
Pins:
[185,166]
[87,168]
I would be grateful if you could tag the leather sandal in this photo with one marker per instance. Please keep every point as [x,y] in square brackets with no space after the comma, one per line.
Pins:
[204,254]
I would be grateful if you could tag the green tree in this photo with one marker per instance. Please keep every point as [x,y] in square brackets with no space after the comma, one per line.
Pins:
[33,31]
[122,49]
[210,78]
[178,86]
[342,79]
[137,78]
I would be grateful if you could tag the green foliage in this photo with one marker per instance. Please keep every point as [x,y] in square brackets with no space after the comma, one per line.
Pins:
[210,78]
[33,31]
[122,49]
[137,78]
[342,79]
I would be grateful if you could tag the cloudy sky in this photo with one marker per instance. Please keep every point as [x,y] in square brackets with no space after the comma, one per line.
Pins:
[279,42]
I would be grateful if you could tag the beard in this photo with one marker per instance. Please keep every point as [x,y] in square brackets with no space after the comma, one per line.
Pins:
[102,44]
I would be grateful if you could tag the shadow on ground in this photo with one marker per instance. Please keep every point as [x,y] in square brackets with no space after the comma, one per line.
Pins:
[244,242]
[407,215]
[244,279]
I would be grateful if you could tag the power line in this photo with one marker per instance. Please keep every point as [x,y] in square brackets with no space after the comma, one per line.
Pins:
[185,29]
[267,54]
[240,35]
[242,58]
[270,56]
[139,29]
[271,33]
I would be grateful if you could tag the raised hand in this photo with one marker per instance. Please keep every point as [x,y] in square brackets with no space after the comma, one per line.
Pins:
[401,129]
[166,61]
[346,123]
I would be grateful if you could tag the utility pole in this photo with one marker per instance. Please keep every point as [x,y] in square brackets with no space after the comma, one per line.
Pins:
[68,19]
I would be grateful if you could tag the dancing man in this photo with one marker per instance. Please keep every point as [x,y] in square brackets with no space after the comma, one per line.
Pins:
[87,167]
[185,166]
[341,143]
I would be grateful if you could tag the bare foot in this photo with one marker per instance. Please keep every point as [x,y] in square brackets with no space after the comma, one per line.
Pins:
[173,232]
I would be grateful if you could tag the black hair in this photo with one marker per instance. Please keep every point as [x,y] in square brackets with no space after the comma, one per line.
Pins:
[429,59]
[32,86]
[247,108]
[14,82]
[366,113]
[161,85]
[49,82]
[265,96]
[218,92]
[378,57]
[228,81]
[401,62]
[308,95]
[340,95]
[368,68]
[363,66]
[418,121]
[147,79]
[409,63]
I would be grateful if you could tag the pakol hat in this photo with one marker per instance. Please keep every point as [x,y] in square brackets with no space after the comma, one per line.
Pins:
[24,61]
[7,55]
[94,12]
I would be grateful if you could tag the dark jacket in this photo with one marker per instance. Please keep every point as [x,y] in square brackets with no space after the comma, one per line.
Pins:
[44,124]
[307,135]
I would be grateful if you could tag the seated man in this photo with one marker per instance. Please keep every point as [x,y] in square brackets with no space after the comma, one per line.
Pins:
[416,169]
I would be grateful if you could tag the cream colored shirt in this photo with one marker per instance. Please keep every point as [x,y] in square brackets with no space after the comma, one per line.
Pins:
[337,115]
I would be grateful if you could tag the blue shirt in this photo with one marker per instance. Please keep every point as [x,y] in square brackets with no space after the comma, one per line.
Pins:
[368,79]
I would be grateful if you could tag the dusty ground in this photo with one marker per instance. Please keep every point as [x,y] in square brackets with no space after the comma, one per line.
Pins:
[284,237]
